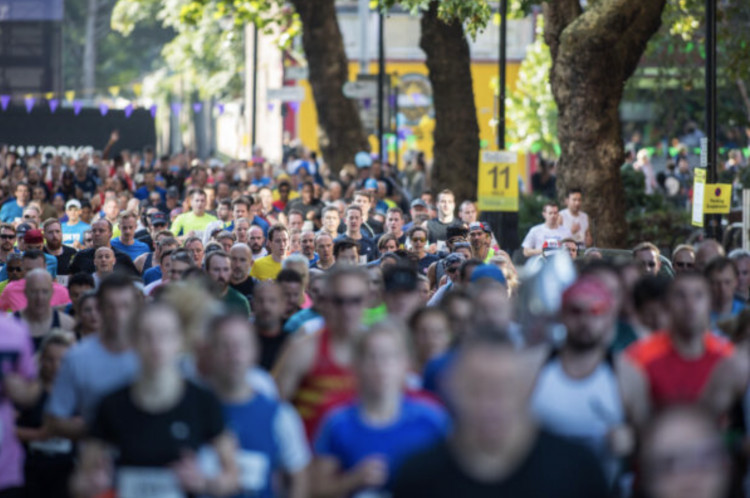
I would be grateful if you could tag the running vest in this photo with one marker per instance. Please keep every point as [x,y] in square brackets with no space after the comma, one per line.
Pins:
[584,410]
[325,383]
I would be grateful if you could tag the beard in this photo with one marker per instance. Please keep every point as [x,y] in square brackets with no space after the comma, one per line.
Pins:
[582,344]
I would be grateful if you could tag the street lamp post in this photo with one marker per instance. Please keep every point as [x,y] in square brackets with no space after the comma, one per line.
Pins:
[712,221]
[381,80]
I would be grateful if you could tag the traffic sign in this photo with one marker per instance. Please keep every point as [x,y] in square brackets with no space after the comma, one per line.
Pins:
[497,183]
[297,73]
[286,94]
[361,90]
[718,198]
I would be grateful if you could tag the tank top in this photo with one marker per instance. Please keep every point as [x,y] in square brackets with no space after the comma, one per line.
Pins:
[584,410]
[149,262]
[324,383]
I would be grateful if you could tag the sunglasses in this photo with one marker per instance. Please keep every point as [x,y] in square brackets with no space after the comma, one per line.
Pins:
[347,301]
[452,269]
[650,264]
[418,239]
[596,309]
[14,269]
[7,236]
[680,264]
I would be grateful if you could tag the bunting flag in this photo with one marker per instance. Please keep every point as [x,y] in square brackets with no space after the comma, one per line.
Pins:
[176,107]
[114,91]
[128,110]
[270,107]
[29,100]
[70,95]
[153,111]
[220,107]
[4,101]
[392,100]
[294,106]
[103,109]
[366,103]
[197,107]
[77,106]
[53,103]
[49,95]
[137,89]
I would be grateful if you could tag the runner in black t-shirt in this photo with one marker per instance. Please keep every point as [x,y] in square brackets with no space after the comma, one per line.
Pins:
[157,423]
[496,449]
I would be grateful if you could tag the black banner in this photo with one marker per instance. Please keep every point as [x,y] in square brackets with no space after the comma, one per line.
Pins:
[64,133]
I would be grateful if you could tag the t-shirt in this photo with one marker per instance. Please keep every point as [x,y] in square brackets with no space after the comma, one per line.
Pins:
[346,436]
[368,250]
[265,268]
[236,302]
[246,288]
[84,262]
[672,378]
[10,211]
[74,233]
[554,467]
[13,297]
[152,275]
[568,219]
[270,438]
[133,250]
[88,372]
[438,231]
[270,347]
[187,222]
[16,356]
[64,259]
[145,439]
[540,234]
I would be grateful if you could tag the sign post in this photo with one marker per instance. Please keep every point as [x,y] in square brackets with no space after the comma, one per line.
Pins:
[497,184]
[699,185]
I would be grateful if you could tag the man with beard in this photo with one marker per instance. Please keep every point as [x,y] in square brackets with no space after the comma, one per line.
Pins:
[54,246]
[101,230]
[241,259]
[257,242]
[269,305]
[582,392]
[218,267]
[7,239]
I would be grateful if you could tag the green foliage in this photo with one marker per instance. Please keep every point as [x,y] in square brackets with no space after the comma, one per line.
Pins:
[531,107]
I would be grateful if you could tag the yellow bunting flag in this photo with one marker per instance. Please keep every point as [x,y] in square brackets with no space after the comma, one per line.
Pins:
[70,95]
[49,95]
[137,89]
[114,90]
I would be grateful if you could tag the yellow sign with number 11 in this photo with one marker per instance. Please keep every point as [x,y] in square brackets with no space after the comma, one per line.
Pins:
[497,185]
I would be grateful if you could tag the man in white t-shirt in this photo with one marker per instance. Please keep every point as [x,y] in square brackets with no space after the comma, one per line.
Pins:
[549,230]
[576,220]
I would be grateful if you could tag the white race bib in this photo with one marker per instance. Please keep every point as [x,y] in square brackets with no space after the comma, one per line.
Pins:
[253,470]
[442,245]
[62,280]
[134,482]
[57,446]
[363,259]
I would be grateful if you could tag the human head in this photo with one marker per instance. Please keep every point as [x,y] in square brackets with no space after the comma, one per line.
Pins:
[550,213]
[14,267]
[387,243]
[32,214]
[104,260]
[574,199]
[401,296]
[346,298]
[256,239]
[51,354]
[723,277]
[689,304]
[7,237]
[194,246]
[293,288]
[647,255]
[394,221]
[88,239]
[706,251]
[198,201]
[232,347]
[269,305]
[571,246]
[468,212]
[241,260]
[363,199]
[683,258]
[33,259]
[588,314]
[382,360]
[278,240]
[128,222]
[38,291]
[741,259]
[331,220]
[354,219]
[241,208]
[180,262]
[157,337]
[118,301]
[33,240]
[682,454]
[432,333]
[218,268]
[242,230]
[78,284]
[324,247]
[492,307]
[480,237]
[22,193]
[111,208]
[417,239]
[226,239]
[446,202]
[296,219]
[649,300]
[346,251]
[307,243]
[52,233]
[419,211]
[101,231]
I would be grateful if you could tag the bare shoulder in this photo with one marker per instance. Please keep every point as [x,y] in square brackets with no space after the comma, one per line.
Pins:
[67,322]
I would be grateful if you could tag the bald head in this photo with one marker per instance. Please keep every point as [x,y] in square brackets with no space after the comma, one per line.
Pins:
[240,260]
[38,290]
[707,251]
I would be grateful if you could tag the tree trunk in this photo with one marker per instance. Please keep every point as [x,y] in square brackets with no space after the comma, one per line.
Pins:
[456,134]
[342,135]
[89,48]
[593,55]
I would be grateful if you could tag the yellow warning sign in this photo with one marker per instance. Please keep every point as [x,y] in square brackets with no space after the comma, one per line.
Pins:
[717,198]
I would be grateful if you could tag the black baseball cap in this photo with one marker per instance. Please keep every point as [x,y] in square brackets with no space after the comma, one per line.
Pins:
[399,278]
[159,219]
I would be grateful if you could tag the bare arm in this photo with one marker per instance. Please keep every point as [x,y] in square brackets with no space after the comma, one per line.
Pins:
[140,261]
[295,361]
[726,384]
[22,392]
[635,392]
[70,428]
[528,252]
[299,484]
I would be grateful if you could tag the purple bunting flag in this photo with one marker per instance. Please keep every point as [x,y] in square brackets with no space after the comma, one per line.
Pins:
[29,104]
[220,107]
[128,110]
[103,109]
[367,103]
[53,104]
[4,101]
[176,107]
[270,107]
[294,106]
[77,107]
[197,107]
[392,100]
[153,111]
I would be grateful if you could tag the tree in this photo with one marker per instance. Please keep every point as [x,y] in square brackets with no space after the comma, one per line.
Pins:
[594,52]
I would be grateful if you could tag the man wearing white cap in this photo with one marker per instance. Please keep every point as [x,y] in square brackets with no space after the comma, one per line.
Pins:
[73,229]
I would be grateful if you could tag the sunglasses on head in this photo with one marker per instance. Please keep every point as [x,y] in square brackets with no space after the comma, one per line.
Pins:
[347,300]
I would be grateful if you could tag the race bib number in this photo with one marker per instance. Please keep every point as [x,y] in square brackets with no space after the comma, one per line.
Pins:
[135,482]
[62,280]
[442,245]
[54,446]
[363,259]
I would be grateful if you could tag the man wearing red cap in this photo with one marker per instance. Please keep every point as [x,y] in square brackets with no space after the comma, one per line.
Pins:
[582,392]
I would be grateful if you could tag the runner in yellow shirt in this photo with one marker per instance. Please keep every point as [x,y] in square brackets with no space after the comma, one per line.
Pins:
[268,267]
[197,219]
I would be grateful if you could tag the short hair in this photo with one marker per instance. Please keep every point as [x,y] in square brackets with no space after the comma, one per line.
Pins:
[353,207]
[294,258]
[289,276]
[395,209]
[339,271]
[33,254]
[182,256]
[574,190]
[278,227]
[7,226]
[649,288]
[165,254]
[126,215]
[49,222]
[190,240]
[224,235]
[417,228]
[113,282]
[686,247]
[389,326]
[214,254]
[81,278]
[384,239]
[241,220]
[225,202]
[469,263]
[363,193]
[194,191]
[57,338]
[446,191]
[568,239]
[242,201]
[550,203]
[328,209]
[739,254]
[169,241]
[720,264]
[646,246]
[295,212]
[344,245]
[102,220]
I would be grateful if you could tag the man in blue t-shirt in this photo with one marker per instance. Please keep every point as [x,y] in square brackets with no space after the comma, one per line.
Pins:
[13,208]
[74,228]
[126,241]
[269,432]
